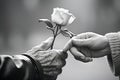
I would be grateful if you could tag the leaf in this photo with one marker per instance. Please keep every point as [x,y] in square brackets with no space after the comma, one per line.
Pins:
[67,33]
[73,34]
[47,22]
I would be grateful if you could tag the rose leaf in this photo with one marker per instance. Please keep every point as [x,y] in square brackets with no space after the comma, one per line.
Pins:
[47,22]
[67,33]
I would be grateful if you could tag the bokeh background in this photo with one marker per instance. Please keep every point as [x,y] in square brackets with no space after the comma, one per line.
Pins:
[20,30]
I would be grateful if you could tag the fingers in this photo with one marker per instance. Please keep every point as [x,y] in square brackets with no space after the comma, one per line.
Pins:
[56,61]
[43,46]
[83,39]
[78,43]
[82,42]
[79,56]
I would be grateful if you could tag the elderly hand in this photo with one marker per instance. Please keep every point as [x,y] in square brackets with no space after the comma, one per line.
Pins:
[51,61]
[87,45]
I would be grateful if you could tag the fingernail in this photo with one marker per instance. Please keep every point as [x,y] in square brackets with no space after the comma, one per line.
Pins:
[90,59]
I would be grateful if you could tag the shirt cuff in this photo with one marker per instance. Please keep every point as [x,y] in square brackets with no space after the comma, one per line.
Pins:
[114,57]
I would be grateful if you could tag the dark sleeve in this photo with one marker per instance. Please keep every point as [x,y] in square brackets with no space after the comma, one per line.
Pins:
[19,67]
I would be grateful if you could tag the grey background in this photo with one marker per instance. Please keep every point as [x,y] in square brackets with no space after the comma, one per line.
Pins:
[20,30]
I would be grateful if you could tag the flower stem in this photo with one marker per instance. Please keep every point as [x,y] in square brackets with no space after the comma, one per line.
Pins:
[55,35]
[53,42]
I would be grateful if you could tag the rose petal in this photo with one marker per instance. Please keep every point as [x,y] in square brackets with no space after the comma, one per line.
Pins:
[64,10]
[56,17]
[66,18]
[72,18]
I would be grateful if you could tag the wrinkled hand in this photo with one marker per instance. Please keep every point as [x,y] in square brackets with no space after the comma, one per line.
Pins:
[88,45]
[51,61]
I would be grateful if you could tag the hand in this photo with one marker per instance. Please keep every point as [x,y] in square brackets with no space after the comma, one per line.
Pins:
[88,45]
[51,61]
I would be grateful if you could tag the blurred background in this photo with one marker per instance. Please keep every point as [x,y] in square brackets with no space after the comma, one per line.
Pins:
[20,30]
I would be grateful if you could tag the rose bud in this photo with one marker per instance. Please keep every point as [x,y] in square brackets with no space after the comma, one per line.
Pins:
[62,17]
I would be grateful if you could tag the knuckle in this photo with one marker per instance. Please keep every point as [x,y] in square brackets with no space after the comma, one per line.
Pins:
[57,64]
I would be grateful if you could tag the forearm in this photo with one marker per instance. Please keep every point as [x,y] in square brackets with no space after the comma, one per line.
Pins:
[18,67]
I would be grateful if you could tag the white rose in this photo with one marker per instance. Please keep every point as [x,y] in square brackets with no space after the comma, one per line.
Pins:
[62,16]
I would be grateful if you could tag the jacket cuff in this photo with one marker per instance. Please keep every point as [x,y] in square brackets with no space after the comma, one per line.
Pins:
[36,65]
[114,57]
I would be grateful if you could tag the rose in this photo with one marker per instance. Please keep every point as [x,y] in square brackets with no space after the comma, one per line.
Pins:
[62,17]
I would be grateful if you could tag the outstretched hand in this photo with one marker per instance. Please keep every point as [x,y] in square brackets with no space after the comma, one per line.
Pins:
[88,45]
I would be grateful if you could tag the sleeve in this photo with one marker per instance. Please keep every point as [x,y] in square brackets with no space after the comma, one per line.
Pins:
[114,57]
[19,67]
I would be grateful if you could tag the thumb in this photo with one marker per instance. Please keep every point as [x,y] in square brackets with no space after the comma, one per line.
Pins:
[43,46]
